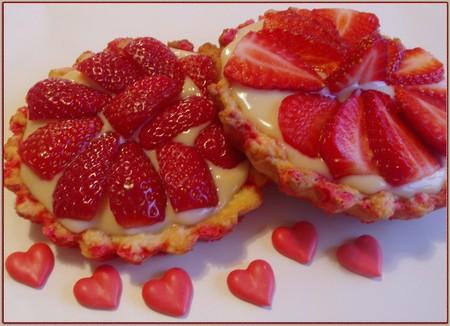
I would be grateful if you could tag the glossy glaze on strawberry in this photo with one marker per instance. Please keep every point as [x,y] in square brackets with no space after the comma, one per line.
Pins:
[180,116]
[201,69]
[155,58]
[135,191]
[214,146]
[111,71]
[81,187]
[62,99]
[186,177]
[50,148]
[140,102]
[136,165]
[393,146]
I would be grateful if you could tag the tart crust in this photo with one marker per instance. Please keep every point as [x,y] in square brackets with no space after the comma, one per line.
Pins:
[95,244]
[268,157]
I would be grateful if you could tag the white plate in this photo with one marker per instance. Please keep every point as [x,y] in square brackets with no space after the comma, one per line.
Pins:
[39,37]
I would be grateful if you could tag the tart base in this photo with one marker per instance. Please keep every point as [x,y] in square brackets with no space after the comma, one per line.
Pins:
[95,244]
[268,157]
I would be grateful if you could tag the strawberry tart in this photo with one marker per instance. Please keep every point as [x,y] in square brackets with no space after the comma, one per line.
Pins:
[123,153]
[336,113]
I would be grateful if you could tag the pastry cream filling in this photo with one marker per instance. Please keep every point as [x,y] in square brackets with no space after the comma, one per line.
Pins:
[261,108]
[227,181]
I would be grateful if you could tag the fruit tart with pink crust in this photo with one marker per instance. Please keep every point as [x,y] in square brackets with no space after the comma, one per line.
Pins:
[123,153]
[337,113]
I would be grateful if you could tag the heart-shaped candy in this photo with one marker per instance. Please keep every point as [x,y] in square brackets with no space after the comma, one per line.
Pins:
[298,242]
[362,256]
[255,284]
[33,266]
[171,294]
[100,291]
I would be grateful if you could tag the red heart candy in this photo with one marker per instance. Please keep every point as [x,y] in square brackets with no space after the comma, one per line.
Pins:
[255,284]
[171,294]
[32,267]
[100,291]
[362,256]
[298,242]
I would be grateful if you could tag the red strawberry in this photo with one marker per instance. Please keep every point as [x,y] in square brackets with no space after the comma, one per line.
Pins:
[139,102]
[365,63]
[302,118]
[394,55]
[321,56]
[345,147]
[263,60]
[418,66]
[135,191]
[186,177]
[303,22]
[184,45]
[427,115]
[201,69]
[111,71]
[351,25]
[55,98]
[398,154]
[227,36]
[214,146]
[155,58]
[80,189]
[246,23]
[437,92]
[118,45]
[51,148]
[181,116]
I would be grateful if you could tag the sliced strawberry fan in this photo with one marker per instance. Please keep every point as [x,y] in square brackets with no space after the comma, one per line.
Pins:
[401,137]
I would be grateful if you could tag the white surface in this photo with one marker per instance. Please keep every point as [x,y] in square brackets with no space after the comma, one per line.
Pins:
[40,37]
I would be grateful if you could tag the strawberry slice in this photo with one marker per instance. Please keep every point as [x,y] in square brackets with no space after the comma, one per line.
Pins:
[186,177]
[155,58]
[139,102]
[80,189]
[111,71]
[400,157]
[118,45]
[263,60]
[183,44]
[181,116]
[351,25]
[228,35]
[304,22]
[322,57]
[365,63]
[50,148]
[418,66]
[55,98]
[201,69]
[214,146]
[345,146]
[302,118]
[136,195]
[438,92]
[427,115]
[395,50]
